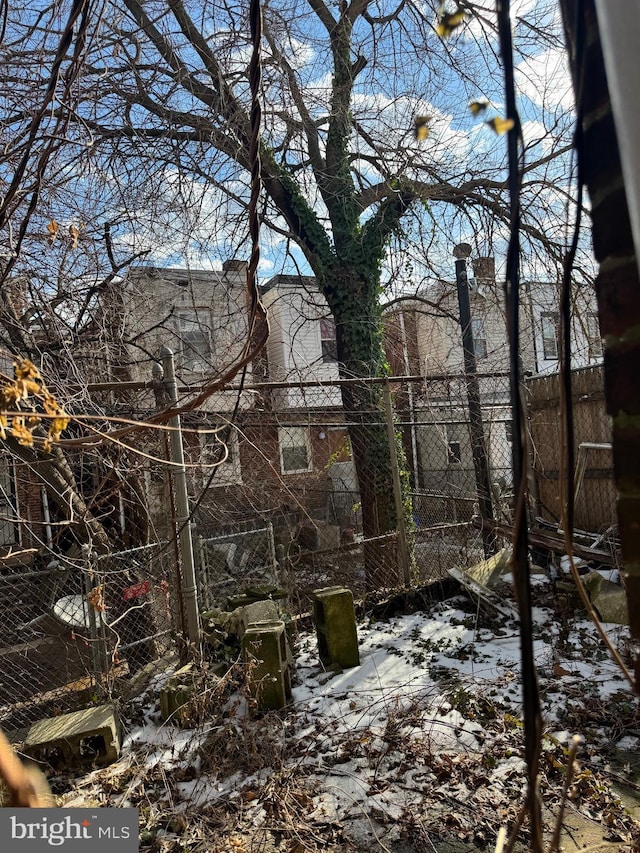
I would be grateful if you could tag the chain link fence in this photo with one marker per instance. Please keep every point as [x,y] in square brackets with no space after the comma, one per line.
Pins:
[276,505]
[222,560]
[39,653]
[74,632]
[292,468]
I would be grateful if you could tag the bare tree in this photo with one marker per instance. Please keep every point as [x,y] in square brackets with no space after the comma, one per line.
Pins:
[367,146]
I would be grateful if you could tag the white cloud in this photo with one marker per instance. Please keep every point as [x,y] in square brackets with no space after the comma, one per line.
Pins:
[534,133]
[545,80]
[520,8]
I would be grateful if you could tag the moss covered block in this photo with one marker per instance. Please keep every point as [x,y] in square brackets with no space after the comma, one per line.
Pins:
[335,619]
[268,674]
[177,693]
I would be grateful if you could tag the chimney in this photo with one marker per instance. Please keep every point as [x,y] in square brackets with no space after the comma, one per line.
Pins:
[234,265]
[484,270]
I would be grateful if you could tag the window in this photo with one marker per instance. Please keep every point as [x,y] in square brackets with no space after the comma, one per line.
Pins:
[594,338]
[8,513]
[328,339]
[220,449]
[550,334]
[195,342]
[454,455]
[479,338]
[295,449]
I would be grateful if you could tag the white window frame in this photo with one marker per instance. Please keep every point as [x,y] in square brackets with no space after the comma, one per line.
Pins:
[553,319]
[194,357]
[292,437]
[228,472]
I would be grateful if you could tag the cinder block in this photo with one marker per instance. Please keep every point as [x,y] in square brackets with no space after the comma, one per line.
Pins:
[268,674]
[86,737]
[176,694]
[335,619]
[259,611]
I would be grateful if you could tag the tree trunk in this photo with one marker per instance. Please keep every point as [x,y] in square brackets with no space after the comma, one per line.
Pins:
[358,319]
[54,473]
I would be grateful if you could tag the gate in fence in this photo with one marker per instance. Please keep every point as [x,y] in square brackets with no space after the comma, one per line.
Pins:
[234,562]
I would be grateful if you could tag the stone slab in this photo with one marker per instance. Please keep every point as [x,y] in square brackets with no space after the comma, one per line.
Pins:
[609,599]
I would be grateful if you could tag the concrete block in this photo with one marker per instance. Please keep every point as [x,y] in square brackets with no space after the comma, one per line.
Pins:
[335,620]
[83,737]
[609,599]
[268,673]
[260,611]
[220,622]
[252,595]
[176,694]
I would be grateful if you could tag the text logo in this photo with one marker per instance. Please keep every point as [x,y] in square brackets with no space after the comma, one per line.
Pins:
[69,830]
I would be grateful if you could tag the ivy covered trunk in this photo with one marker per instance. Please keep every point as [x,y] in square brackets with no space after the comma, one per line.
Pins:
[353,299]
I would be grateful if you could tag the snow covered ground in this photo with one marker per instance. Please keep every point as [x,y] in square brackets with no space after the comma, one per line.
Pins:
[417,748]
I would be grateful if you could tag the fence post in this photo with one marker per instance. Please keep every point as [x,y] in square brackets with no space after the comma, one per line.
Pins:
[189,590]
[403,546]
[91,580]
[478,446]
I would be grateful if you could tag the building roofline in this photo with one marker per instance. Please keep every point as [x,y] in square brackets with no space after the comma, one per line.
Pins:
[282,280]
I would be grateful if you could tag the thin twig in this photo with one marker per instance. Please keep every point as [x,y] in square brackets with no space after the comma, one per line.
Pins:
[576,742]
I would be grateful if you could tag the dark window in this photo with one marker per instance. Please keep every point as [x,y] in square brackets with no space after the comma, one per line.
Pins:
[195,343]
[479,338]
[328,339]
[220,450]
[455,456]
[295,450]
[593,336]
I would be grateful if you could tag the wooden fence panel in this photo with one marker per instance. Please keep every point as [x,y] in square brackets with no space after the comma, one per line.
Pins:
[596,503]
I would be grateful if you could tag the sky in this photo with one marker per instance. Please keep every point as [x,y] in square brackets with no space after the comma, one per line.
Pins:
[189,211]
[196,224]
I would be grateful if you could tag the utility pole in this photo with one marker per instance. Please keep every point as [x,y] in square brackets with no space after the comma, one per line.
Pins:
[476,429]
[189,592]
